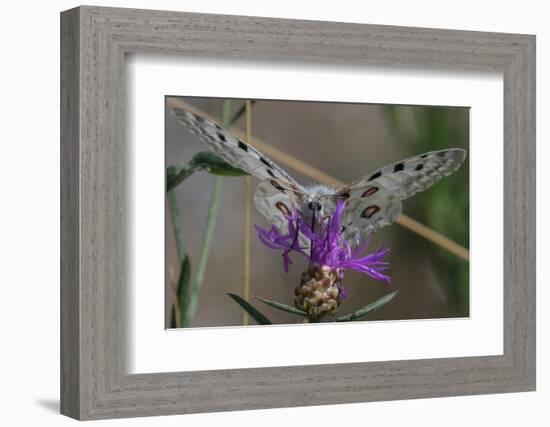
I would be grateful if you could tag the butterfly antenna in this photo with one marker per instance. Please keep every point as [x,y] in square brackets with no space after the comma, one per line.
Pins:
[295,239]
[313,232]
[329,195]
[296,236]
[283,187]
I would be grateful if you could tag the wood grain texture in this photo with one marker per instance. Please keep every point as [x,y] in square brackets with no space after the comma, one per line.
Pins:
[70,292]
[95,274]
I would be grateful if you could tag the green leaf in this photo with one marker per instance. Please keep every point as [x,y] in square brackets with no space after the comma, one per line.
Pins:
[255,314]
[183,285]
[215,165]
[283,307]
[367,309]
[205,160]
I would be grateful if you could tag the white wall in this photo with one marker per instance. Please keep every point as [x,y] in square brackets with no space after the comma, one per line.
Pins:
[29,225]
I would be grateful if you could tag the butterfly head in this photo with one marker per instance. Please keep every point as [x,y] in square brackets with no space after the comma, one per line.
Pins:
[314,205]
[318,203]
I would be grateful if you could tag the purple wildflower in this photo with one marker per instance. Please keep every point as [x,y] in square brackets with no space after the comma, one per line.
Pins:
[328,247]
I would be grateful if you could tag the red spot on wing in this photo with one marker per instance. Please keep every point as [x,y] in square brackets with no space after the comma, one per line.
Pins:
[283,208]
[277,186]
[369,192]
[370,211]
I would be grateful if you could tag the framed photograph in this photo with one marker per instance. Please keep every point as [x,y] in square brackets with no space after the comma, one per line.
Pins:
[368,205]
[262,213]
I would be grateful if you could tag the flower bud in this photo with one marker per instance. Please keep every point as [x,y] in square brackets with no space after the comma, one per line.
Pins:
[318,293]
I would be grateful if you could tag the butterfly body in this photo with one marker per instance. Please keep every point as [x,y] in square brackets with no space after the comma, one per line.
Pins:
[318,201]
[372,201]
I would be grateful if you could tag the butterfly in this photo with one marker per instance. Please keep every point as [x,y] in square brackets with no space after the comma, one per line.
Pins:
[373,201]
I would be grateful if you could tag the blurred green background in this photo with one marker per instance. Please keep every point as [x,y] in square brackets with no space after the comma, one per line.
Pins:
[346,141]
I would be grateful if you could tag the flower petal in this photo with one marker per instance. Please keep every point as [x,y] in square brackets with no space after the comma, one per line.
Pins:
[327,244]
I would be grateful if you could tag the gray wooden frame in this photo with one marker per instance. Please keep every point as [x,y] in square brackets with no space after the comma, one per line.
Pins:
[94,41]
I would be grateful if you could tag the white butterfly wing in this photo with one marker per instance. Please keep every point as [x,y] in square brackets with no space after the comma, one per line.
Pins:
[273,202]
[231,148]
[278,190]
[375,200]
[372,201]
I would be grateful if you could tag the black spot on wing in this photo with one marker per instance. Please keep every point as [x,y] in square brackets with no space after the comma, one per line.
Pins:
[265,162]
[423,156]
[242,145]
[419,167]
[375,175]
[398,167]
[221,136]
[270,173]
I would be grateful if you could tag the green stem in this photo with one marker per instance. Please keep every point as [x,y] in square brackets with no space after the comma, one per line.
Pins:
[180,249]
[189,309]
[190,305]
[226,111]
[238,114]
[174,211]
